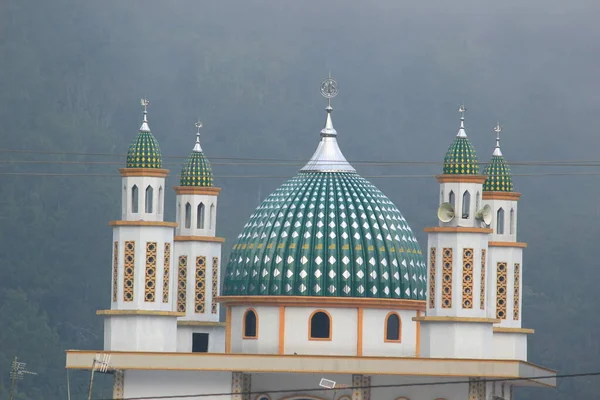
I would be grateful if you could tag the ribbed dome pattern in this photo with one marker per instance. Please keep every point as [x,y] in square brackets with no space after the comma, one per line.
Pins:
[144,151]
[197,171]
[499,177]
[327,234]
[461,158]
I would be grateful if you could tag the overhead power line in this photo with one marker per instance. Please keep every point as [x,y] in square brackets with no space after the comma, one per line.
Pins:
[394,385]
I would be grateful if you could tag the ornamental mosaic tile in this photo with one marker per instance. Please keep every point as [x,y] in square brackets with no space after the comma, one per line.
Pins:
[197,171]
[461,158]
[144,152]
[499,177]
[327,234]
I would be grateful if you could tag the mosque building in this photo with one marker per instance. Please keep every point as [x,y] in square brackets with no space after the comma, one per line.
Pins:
[327,293]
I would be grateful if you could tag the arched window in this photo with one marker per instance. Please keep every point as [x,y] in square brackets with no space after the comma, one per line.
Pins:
[160,200]
[211,217]
[393,328]
[500,222]
[188,216]
[134,199]
[466,204]
[319,326]
[442,196]
[250,324]
[451,199]
[149,195]
[512,221]
[200,216]
[477,202]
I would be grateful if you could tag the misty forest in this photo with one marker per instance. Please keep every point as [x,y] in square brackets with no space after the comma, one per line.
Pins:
[72,73]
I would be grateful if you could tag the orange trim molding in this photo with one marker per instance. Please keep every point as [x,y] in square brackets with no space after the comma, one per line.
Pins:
[310,318]
[385,328]
[359,332]
[228,330]
[322,301]
[199,239]
[501,196]
[141,312]
[201,323]
[514,330]
[461,178]
[455,229]
[507,244]
[418,344]
[252,310]
[281,329]
[143,223]
[457,319]
[144,172]
[210,191]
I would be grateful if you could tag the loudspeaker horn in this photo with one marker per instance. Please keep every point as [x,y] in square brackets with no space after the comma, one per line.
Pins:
[446,212]
[485,215]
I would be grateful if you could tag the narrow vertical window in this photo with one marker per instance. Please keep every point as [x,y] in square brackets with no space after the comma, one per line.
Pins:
[442,196]
[200,216]
[134,199]
[250,324]
[512,221]
[477,202]
[451,199]
[160,200]
[149,197]
[188,216]
[466,204]
[393,328]
[500,222]
[211,217]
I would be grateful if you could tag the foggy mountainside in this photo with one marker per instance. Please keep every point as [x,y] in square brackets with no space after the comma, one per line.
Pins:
[72,73]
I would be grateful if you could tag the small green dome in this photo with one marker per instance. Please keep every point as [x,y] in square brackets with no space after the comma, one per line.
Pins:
[144,151]
[197,171]
[461,158]
[499,177]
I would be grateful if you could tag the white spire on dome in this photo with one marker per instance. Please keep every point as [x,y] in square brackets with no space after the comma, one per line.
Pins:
[497,129]
[197,148]
[328,157]
[461,131]
[145,127]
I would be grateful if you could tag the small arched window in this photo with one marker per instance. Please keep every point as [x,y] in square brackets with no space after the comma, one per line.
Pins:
[149,196]
[188,216]
[466,204]
[211,217]
[200,216]
[134,199]
[250,324]
[319,326]
[160,200]
[451,198]
[500,222]
[393,328]
[512,221]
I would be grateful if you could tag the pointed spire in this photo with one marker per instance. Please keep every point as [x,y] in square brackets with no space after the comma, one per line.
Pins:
[329,130]
[497,129]
[461,130]
[197,148]
[145,127]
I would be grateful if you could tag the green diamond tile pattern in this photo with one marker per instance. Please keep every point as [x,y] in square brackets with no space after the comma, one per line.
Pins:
[499,177]
[327,234]
[197,171]
[144,152]
[461,158]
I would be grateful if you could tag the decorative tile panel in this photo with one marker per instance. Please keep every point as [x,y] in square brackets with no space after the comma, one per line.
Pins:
[182,284]
[517,292]
[432,260]
[467,279]
[447,278]
[501,290]
[215,284]
[115,271]
[166,272]
[128,271]
[150,277]
[200,287]
[482,286]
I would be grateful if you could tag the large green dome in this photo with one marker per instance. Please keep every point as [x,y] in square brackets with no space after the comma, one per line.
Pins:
[144,151]
[461,158]
[327,232]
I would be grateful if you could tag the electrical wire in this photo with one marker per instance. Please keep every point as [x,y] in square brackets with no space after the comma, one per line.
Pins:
[394,385]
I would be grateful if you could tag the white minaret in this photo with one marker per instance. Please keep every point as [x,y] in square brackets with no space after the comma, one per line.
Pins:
[456,324]
[505,258]
[141,316]
[198,257]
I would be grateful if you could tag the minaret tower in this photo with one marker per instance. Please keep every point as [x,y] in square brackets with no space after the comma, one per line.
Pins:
[141,316]
[504,282]
[197,255]
[456,324]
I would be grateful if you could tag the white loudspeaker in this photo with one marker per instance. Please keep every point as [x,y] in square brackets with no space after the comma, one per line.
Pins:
[485,215]
[446,212]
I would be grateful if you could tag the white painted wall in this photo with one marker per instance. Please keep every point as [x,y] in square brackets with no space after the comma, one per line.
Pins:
[374,330]
[456,340]
[459,188]
[140,333]
[216,338]
[142,182]
[154,384]
[209,219]
[267,328]
[510,346]
[506,205]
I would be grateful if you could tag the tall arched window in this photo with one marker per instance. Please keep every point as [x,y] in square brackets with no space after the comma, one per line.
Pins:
[188,216]
[200,216]
[211,217]
[149,196]
[512,221]
[319,326]
[500,222]
[134,199]
[466,204]
[160,200]
[451,198]
[250,324]
[393,328]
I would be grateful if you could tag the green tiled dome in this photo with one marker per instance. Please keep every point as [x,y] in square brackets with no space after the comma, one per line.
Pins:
[197,171]
[461,158]
[499,177]
[144,151]
[327,234]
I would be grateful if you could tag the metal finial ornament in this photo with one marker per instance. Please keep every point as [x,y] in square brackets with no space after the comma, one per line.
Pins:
[497,129]
[197,147]
[462,110]
[461,130]
[329,88]
[145,128]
